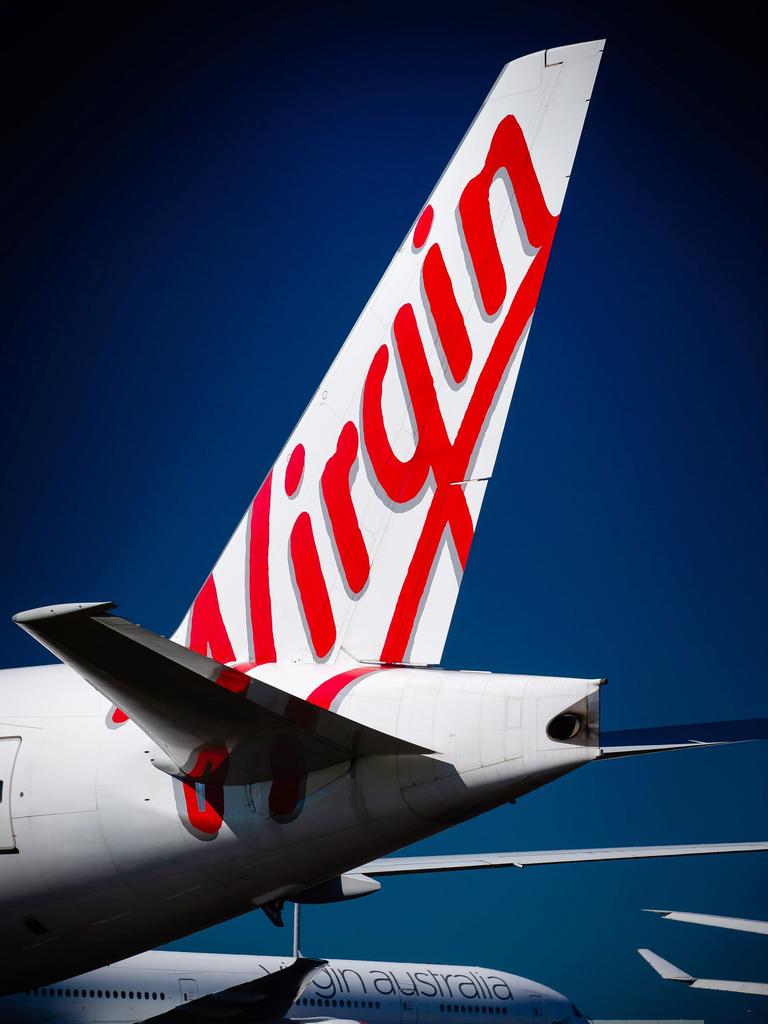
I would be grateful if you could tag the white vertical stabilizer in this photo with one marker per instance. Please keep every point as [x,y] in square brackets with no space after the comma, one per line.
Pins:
[355,545]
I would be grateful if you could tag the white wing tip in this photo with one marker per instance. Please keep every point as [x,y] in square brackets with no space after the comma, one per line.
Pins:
[668,971]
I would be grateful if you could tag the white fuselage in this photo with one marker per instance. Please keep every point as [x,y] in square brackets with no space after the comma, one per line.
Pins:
[354,990]
[111,855]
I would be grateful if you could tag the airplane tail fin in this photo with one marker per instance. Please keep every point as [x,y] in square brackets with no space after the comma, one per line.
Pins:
[355,545]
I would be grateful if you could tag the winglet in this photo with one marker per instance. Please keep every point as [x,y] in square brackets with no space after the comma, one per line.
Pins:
[664,968]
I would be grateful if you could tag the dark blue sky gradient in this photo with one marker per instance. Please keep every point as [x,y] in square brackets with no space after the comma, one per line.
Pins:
[199,201]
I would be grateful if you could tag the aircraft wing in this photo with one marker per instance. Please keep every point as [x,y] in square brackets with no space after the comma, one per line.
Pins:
[738,924]
[624,742]
[264,999]
[328,1020]
[214,723]
[469,861]
[669,972]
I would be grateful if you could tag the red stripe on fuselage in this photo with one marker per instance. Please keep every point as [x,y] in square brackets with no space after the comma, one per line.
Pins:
[326,693]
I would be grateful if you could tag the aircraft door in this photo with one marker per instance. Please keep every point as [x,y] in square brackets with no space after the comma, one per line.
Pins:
[539,1013]
[9,748]
[409,1011]
[188,989]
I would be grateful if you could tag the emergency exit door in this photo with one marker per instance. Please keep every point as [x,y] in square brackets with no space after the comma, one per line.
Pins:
[9,748]
[409,1011]
[188,990]
[539,1010]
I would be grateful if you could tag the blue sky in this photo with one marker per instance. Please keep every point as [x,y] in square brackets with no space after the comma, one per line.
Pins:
[197,205]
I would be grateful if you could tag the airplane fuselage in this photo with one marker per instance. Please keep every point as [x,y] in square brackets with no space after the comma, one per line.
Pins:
[351,990]
[111,855]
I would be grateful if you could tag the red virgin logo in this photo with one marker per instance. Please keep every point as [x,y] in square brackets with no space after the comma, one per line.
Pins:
[437,462]
[436,458]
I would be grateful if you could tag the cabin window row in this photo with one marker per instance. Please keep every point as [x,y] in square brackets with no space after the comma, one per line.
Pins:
[450,1008]
[84,993]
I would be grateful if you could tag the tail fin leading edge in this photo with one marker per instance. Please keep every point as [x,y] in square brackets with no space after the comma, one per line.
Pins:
[355,545]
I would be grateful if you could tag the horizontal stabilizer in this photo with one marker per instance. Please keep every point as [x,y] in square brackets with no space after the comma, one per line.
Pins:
[669,972]
[469,861]
[737,924]
[213,722]
[624,742]
[254,1002]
